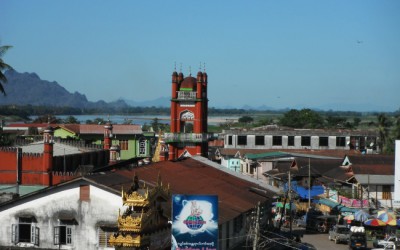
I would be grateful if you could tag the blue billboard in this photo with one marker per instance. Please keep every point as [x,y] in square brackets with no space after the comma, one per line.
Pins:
[194,222]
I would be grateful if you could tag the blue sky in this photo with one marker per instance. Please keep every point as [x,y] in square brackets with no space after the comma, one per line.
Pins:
[340,55]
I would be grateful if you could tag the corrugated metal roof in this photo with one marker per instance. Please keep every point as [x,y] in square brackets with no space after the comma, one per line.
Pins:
[373,169]
[374,179]
[191,176]
[59,149]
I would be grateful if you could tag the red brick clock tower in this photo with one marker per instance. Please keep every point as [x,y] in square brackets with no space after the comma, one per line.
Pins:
[189,104]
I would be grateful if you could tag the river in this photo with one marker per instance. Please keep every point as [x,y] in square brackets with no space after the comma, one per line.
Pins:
[142,119]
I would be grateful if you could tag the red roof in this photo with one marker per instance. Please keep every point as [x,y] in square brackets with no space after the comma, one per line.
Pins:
[190,176]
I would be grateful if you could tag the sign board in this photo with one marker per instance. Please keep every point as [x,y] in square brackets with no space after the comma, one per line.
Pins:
[194,222]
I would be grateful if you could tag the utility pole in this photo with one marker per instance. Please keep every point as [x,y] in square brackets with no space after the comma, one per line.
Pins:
[257,231]
[290,204]
[309,184]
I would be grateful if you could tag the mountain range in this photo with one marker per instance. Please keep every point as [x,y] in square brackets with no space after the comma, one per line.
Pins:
[29,89]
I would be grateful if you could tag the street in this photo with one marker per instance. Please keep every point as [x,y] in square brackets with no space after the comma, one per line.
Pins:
[321,242]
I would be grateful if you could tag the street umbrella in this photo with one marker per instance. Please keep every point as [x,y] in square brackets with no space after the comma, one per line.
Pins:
[386,216]
[361,215]
[374,223]
[279,204]
[392,222]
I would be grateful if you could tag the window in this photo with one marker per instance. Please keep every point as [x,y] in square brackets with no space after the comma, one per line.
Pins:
[230,140]
[63,233]
[123,145]
[340,141]
[386,192]
[242,140]
[260,140]
[277,141]
[305,141]
[290,141]
[104,234]
[142,147]
[323,141]
[25,231]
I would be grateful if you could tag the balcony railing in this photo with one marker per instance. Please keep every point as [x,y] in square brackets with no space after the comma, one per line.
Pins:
[186,95]
[186,137]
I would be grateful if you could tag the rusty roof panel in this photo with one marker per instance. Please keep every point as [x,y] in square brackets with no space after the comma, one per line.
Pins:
[191,177]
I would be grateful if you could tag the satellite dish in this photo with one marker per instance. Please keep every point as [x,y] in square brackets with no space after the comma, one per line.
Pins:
[371,144]
[348,143]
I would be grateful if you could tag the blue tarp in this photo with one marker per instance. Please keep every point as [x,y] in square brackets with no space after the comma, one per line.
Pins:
[303,192]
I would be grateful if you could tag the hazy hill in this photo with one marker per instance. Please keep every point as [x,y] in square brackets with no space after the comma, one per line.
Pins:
[28,88]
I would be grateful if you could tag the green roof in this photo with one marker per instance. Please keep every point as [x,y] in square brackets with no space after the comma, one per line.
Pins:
[267,155]
[23,189]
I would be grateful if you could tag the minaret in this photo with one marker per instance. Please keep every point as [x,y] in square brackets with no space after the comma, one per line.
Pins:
[114,154]
[107,135]
[48,142]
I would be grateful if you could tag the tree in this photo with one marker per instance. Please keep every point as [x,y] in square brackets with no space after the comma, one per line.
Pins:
[47,119]
[246,119]
[305,118]
[71,120]
[384,125]
[96,121]
[3,66]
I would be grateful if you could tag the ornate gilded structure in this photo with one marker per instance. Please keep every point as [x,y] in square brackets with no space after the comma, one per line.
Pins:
[143,224]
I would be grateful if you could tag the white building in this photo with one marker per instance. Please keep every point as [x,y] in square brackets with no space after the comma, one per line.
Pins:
[315,139]
[79,214]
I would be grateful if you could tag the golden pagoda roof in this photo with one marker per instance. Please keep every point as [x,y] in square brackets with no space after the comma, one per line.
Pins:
[135,199]
[129,240]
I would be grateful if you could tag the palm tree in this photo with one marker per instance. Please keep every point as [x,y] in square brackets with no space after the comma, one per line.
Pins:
[3,66]
[383,129]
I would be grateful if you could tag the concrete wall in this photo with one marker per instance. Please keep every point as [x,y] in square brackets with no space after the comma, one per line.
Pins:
[102,208]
